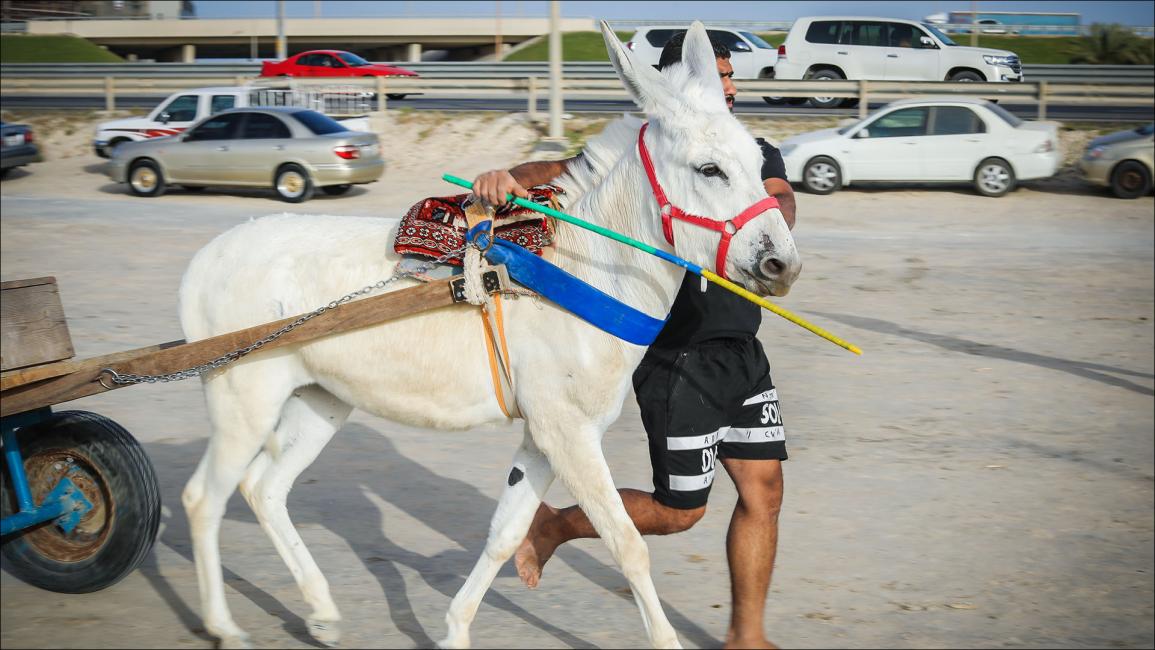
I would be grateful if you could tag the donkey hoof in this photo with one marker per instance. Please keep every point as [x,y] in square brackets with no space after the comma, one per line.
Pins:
[453,644]
[235,642]
[325,632]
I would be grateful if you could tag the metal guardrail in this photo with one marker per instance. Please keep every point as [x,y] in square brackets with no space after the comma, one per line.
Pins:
[1099,74]
[1042,93]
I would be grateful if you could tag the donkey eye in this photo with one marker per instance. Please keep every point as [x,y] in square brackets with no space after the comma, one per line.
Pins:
[710,170]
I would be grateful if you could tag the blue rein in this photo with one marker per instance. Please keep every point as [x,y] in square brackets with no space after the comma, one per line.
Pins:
[579,298]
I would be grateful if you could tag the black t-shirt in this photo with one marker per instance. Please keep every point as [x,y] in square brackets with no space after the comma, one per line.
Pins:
[715,313]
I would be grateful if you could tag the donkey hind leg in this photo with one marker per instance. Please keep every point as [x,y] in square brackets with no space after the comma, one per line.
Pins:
[244,408]
[529,479]
[581,466]
[308,421]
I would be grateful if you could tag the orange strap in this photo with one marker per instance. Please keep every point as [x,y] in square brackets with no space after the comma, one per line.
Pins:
[499,368]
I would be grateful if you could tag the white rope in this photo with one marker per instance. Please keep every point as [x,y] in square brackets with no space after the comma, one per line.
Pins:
[474,265]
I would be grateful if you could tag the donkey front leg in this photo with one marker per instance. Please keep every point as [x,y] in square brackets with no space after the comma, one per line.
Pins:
[529,479]
[582,467]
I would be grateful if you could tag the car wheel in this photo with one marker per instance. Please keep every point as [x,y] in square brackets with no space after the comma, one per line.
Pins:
[775,101]
[336,190]
[146,179]
[396,95]
[292,184]
[825,102]
[994,177]
[966,76]
[821,176]
[1130,180]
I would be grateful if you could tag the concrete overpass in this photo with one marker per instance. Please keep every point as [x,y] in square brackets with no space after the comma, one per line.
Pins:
[377,39]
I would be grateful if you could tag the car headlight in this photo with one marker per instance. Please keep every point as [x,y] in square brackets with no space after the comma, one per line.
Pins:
[786,149]
[993,59]
[1095,153]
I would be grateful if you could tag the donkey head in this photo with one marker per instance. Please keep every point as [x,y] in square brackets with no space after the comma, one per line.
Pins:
[707,165]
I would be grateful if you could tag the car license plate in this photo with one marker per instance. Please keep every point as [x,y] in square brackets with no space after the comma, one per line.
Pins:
[14,140]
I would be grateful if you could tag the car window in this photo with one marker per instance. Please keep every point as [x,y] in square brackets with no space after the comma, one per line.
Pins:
[730,39]
[757,41]
[903,35]
[824,32]
[329,61]
[309,59]
[222,103]
[221,127]
[659,37]
[352,60]
[182,109]
[956,120]
[261,126]
[941,36]
[870,34]
[899,124]
[1005,114]
[318,123]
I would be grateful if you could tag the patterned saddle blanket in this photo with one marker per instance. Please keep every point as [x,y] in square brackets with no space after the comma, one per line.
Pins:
[437,225]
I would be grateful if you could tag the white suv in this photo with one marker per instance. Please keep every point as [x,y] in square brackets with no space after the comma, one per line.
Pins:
[889,49]
[752,57]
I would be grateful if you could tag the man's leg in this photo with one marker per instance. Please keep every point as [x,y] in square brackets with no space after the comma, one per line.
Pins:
[751,545]
[552,528]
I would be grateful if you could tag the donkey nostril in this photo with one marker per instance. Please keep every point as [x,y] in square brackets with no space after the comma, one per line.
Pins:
[771,267]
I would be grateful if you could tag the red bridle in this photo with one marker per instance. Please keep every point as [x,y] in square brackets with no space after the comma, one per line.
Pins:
[728,228]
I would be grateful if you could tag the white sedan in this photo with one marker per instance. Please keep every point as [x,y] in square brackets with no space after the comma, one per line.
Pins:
[957,139]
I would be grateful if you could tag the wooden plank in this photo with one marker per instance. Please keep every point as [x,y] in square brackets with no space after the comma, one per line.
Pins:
[84,378]
[32,325]
[14,378]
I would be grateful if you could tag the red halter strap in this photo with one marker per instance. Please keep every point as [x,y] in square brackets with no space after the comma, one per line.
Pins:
[728,228]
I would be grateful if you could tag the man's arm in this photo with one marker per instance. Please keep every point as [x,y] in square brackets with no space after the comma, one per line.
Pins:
[493,186]
[781,190]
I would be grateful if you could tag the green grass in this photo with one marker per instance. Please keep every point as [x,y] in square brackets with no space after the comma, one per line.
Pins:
[588,46]
[23,48]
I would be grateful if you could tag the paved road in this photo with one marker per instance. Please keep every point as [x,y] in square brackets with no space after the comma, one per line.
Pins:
[751,105]
[982,477]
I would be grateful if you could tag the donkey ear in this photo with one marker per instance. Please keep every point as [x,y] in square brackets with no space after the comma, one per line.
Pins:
[651,92]
[699,58]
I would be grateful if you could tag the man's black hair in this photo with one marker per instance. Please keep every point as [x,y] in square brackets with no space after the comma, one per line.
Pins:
[672,52]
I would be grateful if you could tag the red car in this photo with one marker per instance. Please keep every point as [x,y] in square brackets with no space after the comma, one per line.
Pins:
[332,63]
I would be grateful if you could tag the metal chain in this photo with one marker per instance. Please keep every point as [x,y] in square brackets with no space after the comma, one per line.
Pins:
[227,358]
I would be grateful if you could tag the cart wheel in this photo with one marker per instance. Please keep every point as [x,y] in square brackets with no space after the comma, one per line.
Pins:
[109,466]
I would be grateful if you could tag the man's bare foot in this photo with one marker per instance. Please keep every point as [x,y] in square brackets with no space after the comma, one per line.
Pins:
[535,549]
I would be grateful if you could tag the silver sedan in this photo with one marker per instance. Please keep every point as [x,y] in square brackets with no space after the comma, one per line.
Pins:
[292,150]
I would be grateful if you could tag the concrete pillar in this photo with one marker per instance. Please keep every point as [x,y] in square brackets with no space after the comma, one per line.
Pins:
[131,56]
[179,54]
[188,53]
[414,53]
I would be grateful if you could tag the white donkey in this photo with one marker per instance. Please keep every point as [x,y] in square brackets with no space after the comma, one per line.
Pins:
[274,411]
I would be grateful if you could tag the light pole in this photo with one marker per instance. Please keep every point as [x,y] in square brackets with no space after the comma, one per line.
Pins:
[555,98]
[282,49]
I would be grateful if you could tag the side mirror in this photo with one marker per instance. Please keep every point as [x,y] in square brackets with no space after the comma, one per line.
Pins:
[926,42]
[165,117]
[864,133]
[741,46]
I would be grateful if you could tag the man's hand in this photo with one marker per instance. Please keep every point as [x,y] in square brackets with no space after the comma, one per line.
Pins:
[493,186]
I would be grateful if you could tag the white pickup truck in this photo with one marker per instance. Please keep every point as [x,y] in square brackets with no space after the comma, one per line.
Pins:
[183,109]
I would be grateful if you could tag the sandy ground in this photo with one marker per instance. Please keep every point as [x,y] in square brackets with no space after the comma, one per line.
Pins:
[982,477]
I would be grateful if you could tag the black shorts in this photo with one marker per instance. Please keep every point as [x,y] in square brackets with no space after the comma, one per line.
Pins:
[712,400]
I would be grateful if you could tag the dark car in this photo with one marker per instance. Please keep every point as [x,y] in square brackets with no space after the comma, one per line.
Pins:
[17,147]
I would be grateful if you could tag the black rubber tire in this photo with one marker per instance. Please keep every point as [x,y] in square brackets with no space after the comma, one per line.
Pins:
[1006,177]
[336,190]
[776,101]
[827,75]
[1130,179]
[281,187]
[157,188]
[396,95]
[112,470]
[811,166]
[967,75]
